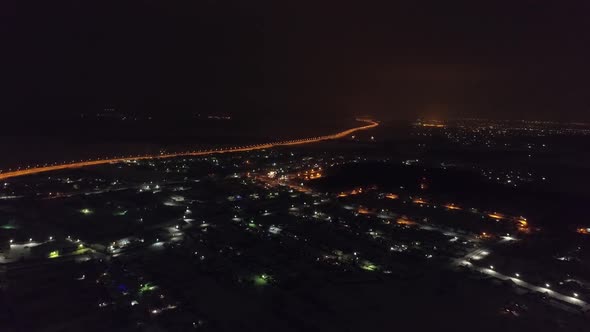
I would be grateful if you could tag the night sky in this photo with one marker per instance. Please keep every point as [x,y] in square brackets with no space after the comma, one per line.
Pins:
[393,60]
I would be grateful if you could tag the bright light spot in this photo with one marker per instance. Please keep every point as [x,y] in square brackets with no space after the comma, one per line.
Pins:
[261,280]
[369,266]
[147,288]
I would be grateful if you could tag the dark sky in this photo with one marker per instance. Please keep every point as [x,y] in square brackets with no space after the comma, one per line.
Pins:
[392,59]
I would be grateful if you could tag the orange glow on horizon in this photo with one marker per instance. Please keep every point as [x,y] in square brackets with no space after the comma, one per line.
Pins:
[435,125]
[36,170]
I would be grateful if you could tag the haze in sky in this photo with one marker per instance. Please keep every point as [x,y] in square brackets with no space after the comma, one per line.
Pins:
[390,59]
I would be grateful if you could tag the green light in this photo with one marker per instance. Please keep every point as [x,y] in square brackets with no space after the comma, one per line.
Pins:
[251,225]
[81,250]
[262,280]
[120,213]
[147,288]
[369,267]
[8,227]
[54,254]
[86,211]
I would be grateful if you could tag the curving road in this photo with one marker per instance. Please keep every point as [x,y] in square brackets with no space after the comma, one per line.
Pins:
[36,170]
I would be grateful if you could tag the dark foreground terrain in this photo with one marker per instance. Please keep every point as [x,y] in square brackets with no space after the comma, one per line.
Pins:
[401,227]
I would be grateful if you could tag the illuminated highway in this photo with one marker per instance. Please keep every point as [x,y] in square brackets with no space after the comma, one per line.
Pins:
[49,168]
[477,253]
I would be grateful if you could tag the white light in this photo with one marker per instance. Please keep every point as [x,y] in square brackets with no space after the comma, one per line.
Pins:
[517,275]
[576,294]
[491,267]
[547,285]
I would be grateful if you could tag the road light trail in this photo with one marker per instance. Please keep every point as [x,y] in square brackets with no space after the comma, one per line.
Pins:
[584,306]
[36,170]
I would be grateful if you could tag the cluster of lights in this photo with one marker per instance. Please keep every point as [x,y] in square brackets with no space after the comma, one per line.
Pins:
[517,275]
